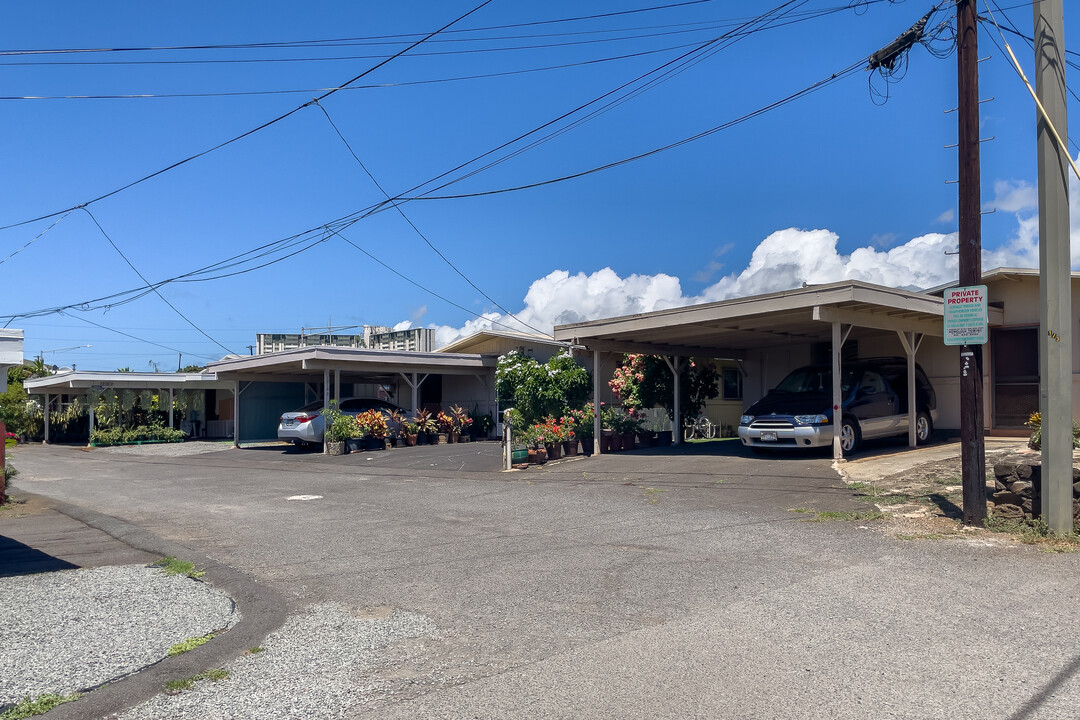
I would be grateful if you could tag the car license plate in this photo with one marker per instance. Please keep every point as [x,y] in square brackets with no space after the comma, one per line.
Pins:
[768,437]
[288,423]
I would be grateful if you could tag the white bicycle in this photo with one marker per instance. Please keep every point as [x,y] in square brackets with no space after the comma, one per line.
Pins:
[702,428]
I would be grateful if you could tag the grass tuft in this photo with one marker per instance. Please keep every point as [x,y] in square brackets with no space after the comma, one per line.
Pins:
[844,515]
[1034,532]
[172,566]
[28,707]
[177,686]
[190,644]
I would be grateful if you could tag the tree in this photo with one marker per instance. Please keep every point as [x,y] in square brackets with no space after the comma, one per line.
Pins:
[123,369]
[538,391]
[192,369]
[645,381]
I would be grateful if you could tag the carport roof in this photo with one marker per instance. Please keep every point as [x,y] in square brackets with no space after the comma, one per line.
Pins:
[76,380]
[731,327]
[310,362]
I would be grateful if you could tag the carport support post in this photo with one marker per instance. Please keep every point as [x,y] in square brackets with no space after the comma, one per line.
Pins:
[90,437]
[598,422]
[337,386]
[45,440]
[326,404]
[837,399]
[907,339]
[236,414]
[171,399]
[676,369]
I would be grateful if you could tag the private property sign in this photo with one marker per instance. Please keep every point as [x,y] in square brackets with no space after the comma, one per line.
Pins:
[965,315]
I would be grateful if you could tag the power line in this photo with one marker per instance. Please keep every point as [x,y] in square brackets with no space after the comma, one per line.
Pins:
[411,224]
[432,292]
[133,337]
[150,285]
[265,125]
[333,41]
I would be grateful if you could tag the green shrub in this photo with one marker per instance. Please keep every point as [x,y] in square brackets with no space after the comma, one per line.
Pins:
[143,433]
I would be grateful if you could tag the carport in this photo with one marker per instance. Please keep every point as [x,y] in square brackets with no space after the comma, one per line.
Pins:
[322,368]
[85,383]
[735,329]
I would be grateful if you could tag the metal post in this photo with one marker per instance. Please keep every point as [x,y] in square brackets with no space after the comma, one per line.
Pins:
[45,440]
[326,404]
[1055,289]
[677,422]
[507,440]
[337,385]
[415,399]
[837,398]
[90,435]
[973,449]
[236,414]
[907,339]
[598,423]
[172,399]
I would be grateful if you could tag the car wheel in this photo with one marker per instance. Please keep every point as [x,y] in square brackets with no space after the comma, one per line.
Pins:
[923,427]
[850,436]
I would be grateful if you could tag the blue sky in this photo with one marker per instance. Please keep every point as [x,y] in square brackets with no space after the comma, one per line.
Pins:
[836,184]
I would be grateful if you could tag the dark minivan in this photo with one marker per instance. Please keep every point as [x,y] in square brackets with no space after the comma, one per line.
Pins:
[798,412]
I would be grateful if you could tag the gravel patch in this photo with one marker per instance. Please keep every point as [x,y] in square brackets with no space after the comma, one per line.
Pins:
[76,629]
[197,447]
[318,665]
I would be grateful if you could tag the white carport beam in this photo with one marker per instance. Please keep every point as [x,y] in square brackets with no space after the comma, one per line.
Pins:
[675,365]
[911,343]
[838,339]
[826,313]
[236,413]
[414,384]
[598,423]
[325,404]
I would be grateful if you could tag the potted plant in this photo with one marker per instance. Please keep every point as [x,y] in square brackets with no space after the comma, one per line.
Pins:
[583,424]
[446,425]
[481,424]
[357,433]
[338,429]
[395,427]
[426,425]
[459,423]
[410,432]
[375,423]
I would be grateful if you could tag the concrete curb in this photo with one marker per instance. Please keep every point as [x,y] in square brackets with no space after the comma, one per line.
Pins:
[262,610]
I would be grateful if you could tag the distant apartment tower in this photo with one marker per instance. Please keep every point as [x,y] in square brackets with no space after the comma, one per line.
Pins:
[374,336]
[412,340]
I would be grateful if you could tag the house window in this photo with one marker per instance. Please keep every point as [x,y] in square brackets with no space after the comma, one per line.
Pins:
[732,384]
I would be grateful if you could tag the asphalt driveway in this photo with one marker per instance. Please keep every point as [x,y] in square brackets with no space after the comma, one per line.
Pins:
[633,585]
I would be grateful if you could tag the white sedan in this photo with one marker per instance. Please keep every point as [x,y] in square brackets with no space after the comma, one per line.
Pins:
[306,425]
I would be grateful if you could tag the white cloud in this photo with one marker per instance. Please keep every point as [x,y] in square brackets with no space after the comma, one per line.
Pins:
[403,325]
[1010,196]
[784,260]
[947,217]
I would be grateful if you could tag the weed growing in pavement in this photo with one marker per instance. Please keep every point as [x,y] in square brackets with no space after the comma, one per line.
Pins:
[190,644]
[921,536]
[654,495]
[255,650]
[1034,532]
[28,707]
[172,566]
[176,686]
[849,515]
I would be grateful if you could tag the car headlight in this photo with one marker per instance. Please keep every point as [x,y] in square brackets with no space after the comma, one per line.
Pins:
[811,419]
[746,419]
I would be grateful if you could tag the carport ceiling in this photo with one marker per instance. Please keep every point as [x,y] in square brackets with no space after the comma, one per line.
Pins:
[731,327]
[309,363]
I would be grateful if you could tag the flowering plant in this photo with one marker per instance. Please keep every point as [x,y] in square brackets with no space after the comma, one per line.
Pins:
[581,422]
[372,422]
[459,419]
[424,421]
[445,422]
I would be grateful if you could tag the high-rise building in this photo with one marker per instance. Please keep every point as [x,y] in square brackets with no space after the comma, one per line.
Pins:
[374,336]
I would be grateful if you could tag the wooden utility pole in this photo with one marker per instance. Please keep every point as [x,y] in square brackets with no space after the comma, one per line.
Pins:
[1055,281]
[973,449]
